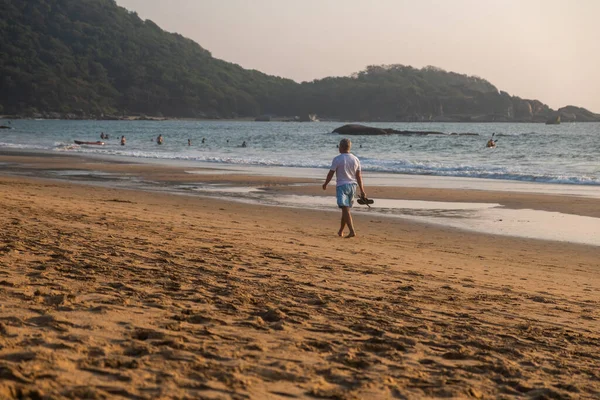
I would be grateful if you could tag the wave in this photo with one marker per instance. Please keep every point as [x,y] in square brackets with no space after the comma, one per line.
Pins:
[542,171]
[523,177]
[430,167]
[19,146]
[408,167]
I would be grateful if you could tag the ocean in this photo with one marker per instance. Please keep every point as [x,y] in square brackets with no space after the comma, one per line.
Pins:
[536,158]
[559,154]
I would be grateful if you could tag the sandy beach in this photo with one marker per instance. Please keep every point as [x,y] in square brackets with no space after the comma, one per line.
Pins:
[113,293]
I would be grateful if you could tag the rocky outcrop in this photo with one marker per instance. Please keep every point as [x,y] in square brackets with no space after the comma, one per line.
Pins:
[577,114]
[356,129]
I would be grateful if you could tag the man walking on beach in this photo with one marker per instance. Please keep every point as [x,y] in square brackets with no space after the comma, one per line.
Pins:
[346,168]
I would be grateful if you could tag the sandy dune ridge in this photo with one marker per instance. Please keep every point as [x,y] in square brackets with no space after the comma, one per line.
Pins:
[109,293]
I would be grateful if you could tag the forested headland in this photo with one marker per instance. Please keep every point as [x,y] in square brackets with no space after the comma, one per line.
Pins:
[94,59]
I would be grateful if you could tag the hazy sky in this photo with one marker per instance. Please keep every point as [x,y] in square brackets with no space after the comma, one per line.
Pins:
[538,49]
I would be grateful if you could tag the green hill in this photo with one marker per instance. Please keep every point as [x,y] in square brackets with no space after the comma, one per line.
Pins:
[404,93]
[92,58]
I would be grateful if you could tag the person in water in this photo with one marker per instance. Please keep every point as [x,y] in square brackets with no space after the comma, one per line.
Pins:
[189,142]
[346,168]
[159,139]
[123,140]
[102,135]
[491,143]
[244,144]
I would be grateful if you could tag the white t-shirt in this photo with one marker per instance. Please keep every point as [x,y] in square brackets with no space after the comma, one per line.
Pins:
[345,166]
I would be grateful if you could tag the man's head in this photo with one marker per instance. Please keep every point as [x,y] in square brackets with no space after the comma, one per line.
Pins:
[345,146]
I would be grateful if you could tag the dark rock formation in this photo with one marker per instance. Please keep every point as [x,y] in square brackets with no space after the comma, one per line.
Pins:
[577,114]
[356,129]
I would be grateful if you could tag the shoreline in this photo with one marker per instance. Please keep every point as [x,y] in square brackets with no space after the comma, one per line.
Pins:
[542,211]
[455,155]
[305,174]
[110,292]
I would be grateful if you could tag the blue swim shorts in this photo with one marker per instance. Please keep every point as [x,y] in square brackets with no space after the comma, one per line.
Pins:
[345,194]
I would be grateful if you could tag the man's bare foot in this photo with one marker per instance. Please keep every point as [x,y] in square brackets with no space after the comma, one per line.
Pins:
[341,233]
[350,235]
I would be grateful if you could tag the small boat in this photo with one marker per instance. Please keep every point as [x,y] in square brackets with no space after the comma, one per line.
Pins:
[98,143]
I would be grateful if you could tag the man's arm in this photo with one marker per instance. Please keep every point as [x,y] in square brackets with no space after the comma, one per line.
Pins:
[328,179]
[360,182]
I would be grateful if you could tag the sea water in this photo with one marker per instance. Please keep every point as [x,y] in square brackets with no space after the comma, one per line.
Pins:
[528,158]
[561,154]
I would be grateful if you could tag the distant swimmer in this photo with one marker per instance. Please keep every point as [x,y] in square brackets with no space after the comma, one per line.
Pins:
[189,142]
[102,135]
[159,139]
[244,144]
[491,143]
[122,140]
[203,140]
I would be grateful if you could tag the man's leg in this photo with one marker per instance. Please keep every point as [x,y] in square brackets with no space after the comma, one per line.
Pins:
[343,224]
[340,197]
[347,217]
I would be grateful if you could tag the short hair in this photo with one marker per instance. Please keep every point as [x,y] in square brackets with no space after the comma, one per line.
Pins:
[345,144]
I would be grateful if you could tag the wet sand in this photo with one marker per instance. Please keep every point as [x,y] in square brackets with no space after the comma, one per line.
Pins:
[115,293]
